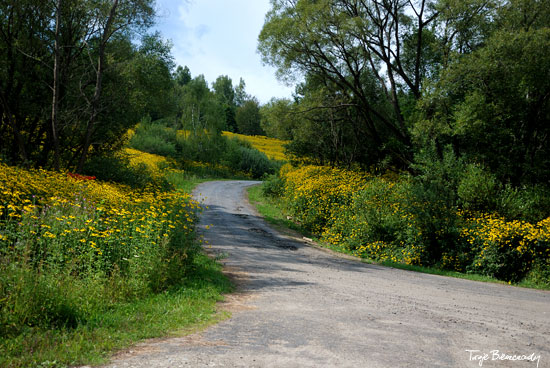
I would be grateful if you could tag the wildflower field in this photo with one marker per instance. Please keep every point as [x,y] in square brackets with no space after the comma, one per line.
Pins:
[272,147]
[380,218]
[72,247]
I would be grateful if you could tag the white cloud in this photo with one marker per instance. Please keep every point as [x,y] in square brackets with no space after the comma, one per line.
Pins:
[219,37]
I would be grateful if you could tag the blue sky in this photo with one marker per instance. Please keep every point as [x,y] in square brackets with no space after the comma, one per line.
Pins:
[219,37]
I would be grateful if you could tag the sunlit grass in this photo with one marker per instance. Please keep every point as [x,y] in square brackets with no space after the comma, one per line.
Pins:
[88,267]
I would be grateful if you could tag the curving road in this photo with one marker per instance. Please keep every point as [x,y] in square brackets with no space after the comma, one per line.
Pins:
[300,306]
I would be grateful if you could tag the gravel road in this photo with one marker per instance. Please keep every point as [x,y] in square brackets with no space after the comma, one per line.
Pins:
[299,306]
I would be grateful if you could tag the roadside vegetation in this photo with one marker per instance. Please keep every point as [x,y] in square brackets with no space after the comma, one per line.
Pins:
[417,136]
[89,266]
[386,219]
[408,143]
[102,139]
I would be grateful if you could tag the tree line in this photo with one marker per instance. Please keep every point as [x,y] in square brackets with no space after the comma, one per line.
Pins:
[387,82]
[75,75]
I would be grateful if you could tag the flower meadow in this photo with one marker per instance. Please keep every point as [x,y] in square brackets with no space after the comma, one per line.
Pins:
[272,147]
[70,245]
[154,163]
[381,218]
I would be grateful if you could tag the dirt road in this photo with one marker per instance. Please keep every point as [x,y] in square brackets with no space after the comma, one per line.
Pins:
[304,307]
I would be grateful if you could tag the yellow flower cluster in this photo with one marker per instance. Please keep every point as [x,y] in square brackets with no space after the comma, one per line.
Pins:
[155,164]
[273,148]
[318,191]
[74,218]
[374,218]
[487,233]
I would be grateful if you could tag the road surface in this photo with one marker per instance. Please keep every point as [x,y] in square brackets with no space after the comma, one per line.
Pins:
[299,306]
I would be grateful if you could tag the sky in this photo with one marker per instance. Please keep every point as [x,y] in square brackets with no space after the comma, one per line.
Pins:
[219,37]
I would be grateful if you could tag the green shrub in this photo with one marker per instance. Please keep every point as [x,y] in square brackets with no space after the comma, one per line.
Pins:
[433,202]
[527,203]
[254,162]
[273,186]
[116,168]
[478,189]
[155,138]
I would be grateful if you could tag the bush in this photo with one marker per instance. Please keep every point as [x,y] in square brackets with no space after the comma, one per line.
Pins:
[416,220]
[527,203]
[117,168]
[478,189]
[155,138]
[206,147]
[507,250]
[433,202]
[273,186]
[69,246]
[254,162]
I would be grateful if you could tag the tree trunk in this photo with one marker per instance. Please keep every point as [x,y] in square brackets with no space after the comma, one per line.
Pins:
[55,87]
[98,87]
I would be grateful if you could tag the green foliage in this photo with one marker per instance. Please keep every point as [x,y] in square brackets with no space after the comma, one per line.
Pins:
[201,111]
[220,155]
[225,94]
[106,325]
[496,112]
[155,138]
[116,168]
[478,189]
[273,186]
[254,162]
[248,118]
[277,120]
[417,220]
[528,203]
[101,88]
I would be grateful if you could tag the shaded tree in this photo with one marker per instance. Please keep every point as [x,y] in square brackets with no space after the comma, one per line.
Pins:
[278,119]
[248,117]
[225,94]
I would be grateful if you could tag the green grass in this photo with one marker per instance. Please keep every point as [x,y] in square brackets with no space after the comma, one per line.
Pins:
[184,181]
[181,310]
[273,211]
[185,307]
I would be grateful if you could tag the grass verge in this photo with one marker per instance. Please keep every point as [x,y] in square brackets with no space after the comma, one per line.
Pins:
[103,323]
[180,311]
[274,213]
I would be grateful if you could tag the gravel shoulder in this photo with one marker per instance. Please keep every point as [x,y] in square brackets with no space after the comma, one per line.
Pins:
[299,306]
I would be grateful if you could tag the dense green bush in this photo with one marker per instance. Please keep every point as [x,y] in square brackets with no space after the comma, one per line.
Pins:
[222,156]
[153,137]
[240,156]
[478,189]
[273,186]
[420,220]
[527,203]
[116,168]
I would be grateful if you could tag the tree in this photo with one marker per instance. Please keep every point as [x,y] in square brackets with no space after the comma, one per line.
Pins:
[277,118]
[21,67]
[58,59]
[324,127]
[248,117]
[240,93]
[182,75]
[112,17]
[149,73]
[202,113]
[225,94]
[347,42]
[494,107]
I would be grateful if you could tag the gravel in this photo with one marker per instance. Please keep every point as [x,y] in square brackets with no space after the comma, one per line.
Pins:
[300,306]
